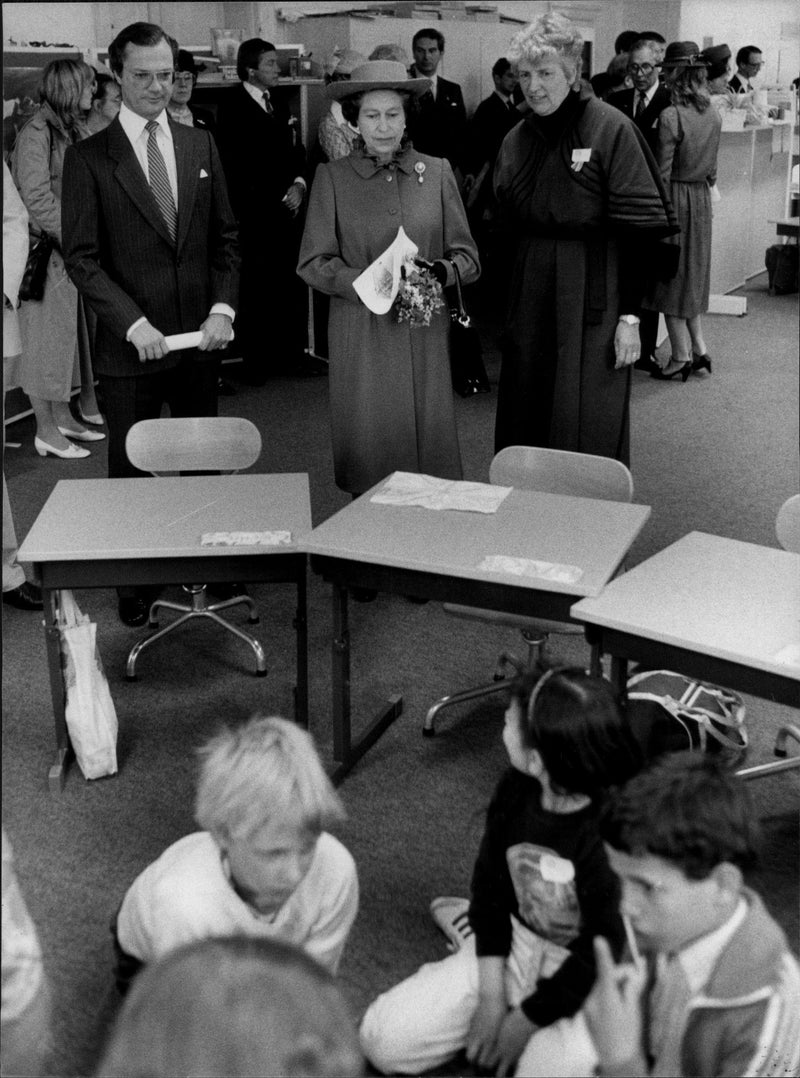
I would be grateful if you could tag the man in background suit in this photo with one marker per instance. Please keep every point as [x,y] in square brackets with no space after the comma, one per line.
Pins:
[264,162]
[749,62]
[644,103]
[150,242]
[436,125]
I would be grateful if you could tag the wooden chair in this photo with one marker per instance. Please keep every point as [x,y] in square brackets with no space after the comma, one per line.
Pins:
[550,471]
[202,444]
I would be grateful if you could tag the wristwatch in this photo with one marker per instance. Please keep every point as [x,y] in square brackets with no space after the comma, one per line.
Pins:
[629,319]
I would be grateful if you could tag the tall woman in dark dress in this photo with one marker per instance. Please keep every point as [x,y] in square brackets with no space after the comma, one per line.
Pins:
[688,140]
[581,199]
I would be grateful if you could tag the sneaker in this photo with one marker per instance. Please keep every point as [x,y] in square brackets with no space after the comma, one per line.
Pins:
[451,915]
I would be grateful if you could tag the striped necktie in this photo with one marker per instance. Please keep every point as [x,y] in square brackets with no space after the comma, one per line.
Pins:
[640,105]
[159,180]
[267,103]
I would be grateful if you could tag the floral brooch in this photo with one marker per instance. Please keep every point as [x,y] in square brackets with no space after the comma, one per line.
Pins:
[419,168]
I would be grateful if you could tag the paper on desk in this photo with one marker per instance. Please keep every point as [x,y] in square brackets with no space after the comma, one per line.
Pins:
[408,488]
[246,539]
[177,342]
[378,284]
[529,567]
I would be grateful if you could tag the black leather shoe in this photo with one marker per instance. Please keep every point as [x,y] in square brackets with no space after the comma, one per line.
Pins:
[133,610]
[646,365]
[26,597]
[225,388]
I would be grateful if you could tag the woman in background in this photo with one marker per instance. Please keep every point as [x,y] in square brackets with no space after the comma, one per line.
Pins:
[179,107]
[336,136]
[55,341]
[106,101]
[688,140]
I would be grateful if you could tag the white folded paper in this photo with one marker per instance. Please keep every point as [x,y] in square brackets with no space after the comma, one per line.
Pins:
[408,488]
[177,342]
[246,539]
[378,285]
[529,567]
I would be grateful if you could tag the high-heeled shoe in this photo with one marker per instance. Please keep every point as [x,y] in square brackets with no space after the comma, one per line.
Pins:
[701,363]
[92,420]
[82,435]
[684,370]
[73,453]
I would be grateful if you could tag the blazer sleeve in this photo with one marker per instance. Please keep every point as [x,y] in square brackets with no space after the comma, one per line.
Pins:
[31,166]
[15,238]
[669,135]
[457,242]
[321,264]
[223,238]
[82,244]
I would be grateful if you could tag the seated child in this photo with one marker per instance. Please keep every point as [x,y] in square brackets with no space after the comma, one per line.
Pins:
[263,865]
[541,890]
[725,989]
[234,1006]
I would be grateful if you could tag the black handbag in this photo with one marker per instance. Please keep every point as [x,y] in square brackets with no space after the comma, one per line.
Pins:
[32,284]
[467,371]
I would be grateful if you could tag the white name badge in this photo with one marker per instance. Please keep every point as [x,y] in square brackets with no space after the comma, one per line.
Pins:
[580,157]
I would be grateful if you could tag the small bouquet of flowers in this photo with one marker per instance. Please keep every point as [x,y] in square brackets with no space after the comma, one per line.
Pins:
[419,296]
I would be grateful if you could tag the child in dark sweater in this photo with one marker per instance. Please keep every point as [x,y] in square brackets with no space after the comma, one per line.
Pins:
[542,889]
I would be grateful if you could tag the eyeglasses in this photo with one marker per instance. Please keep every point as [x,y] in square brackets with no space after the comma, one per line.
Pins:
[640,69]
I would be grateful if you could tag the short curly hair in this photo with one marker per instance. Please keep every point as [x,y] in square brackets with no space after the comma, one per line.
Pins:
[687,809]
[351,106]
[551,36]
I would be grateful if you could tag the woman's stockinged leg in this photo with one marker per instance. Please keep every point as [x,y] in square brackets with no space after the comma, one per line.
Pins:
[695,327]
[679,339]
[47,423]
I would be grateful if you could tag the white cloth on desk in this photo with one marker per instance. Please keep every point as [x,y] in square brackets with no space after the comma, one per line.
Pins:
[409,488]
[185,895]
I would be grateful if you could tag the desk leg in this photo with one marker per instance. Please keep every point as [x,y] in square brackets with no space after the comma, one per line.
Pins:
[57,773]
[301,628]
[345,753]
[619,674]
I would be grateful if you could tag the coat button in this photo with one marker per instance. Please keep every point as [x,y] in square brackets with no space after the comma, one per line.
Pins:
[389,179]
[392,213]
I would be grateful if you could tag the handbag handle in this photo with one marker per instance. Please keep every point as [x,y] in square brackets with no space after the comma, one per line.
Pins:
[459,312]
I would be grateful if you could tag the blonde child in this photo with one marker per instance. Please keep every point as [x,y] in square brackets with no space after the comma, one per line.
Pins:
[264,864]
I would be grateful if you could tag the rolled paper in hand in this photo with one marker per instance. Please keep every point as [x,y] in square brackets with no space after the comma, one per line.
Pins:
[177,342]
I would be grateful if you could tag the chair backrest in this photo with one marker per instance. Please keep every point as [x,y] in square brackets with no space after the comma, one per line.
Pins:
[787,524]
[558,471]
[199,444]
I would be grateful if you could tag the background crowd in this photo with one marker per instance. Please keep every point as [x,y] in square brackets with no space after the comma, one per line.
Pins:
[591,206]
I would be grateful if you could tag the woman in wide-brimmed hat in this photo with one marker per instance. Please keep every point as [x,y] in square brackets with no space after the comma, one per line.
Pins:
[391,393]
[688,140]
[336,137]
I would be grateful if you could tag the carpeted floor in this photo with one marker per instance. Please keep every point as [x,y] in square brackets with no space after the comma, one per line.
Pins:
[717,454]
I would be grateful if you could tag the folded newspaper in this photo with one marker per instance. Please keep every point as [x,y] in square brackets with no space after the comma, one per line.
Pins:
[378,285]
[408,488]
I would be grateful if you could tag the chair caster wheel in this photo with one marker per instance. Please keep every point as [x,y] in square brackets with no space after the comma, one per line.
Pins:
[131,677]
[153,624]
[254,621]
[428,732]
[261,673]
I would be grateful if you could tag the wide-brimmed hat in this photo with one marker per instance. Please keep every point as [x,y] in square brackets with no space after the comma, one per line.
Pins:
[378,75]
[717,57]
[343,61]
[683,54]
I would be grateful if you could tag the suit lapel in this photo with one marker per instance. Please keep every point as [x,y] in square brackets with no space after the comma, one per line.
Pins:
[188,167]
[129,175]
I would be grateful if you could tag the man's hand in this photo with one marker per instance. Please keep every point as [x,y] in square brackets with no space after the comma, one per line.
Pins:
[613,1008]
[627,345]
[149,342]
[515,1032]
[217,330]
[484,1030]
[293,199]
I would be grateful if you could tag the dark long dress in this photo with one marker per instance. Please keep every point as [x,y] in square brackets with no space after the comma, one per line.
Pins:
[584,239]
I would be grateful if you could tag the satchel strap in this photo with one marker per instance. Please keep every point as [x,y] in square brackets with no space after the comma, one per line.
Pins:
[459,313]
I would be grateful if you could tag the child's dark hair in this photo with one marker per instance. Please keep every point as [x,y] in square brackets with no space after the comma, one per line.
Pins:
[575,723]
[688,809]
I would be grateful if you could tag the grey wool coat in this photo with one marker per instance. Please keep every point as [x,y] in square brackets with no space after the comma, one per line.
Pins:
[391,395]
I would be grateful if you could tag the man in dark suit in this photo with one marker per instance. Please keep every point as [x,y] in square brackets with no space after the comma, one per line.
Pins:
[264,164]
[436,125]
[150,242]
[490,123]
[644,104]
[749,62]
